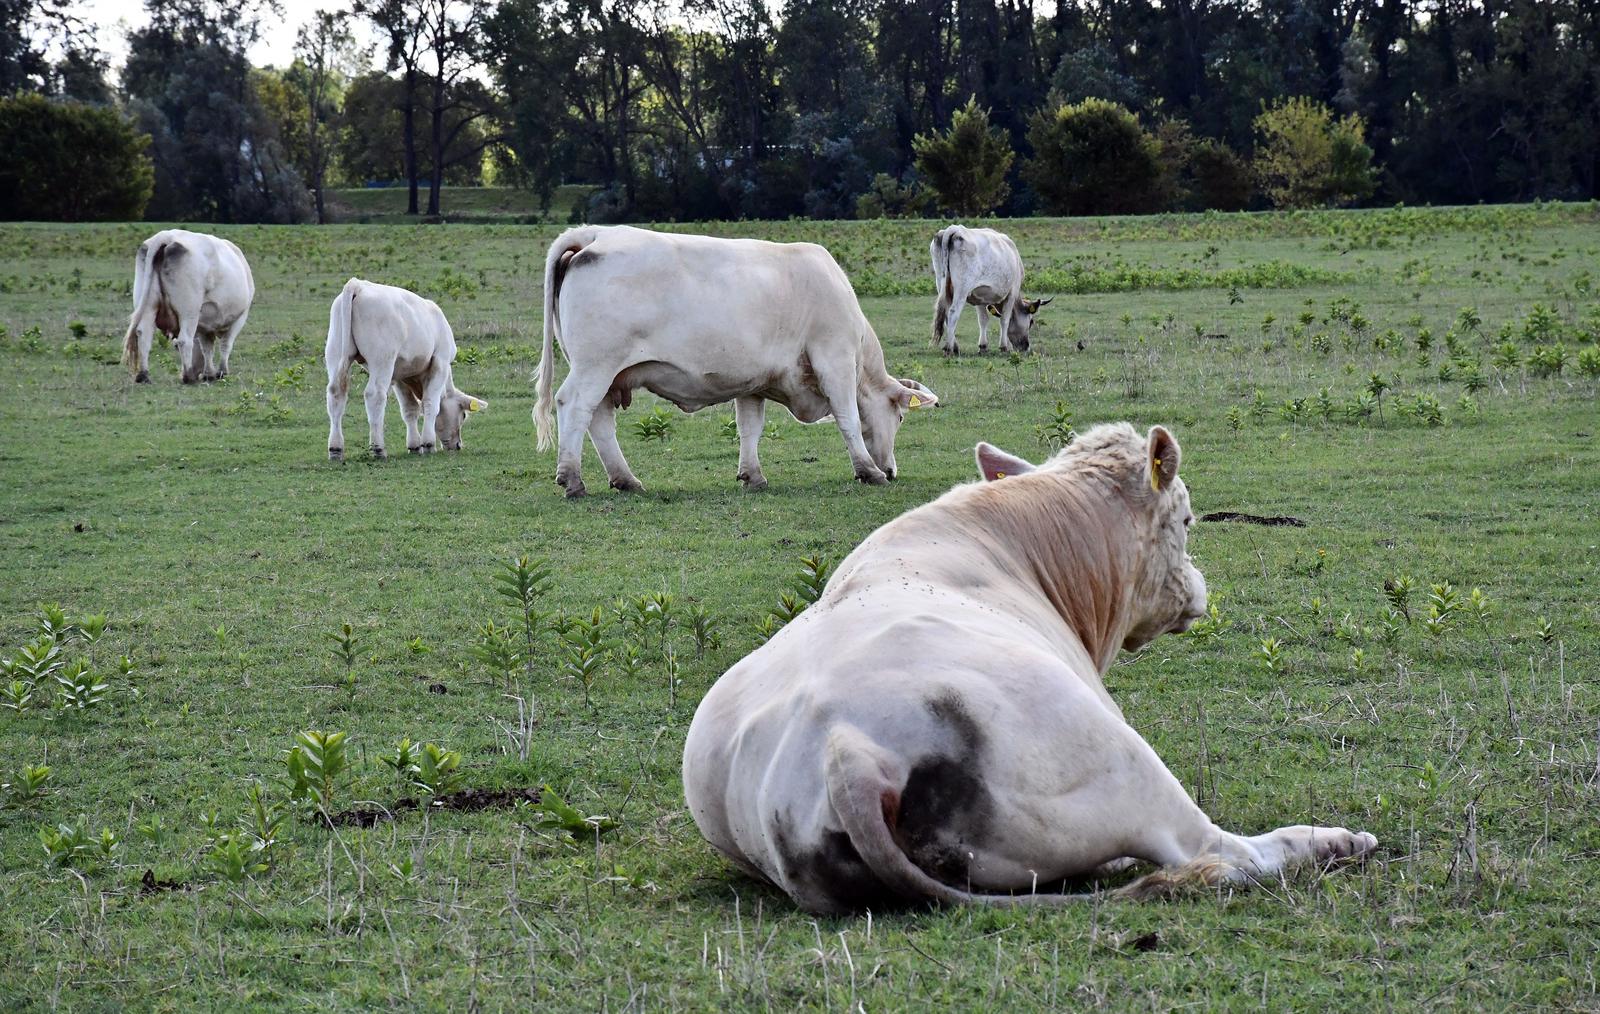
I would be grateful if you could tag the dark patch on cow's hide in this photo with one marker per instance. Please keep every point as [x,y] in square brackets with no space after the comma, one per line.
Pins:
[586,257]
[832,869]
[945,809]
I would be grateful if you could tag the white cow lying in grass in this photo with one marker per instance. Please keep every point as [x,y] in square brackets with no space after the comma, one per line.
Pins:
[197,290]
[980,267]
[699,321]
[935,728]
[403,340]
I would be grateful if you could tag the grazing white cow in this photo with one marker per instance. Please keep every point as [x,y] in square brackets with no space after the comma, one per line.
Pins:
[197,290]
[403,340]
[936,729]
[980,267]
[698,321]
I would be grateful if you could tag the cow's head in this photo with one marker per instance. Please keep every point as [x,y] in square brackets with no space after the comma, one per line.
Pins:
[454,408]
[1167,592]
[1020,324]
[883,409]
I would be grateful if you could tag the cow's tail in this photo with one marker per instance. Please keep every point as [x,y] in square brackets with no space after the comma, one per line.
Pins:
[944,287]
[561,253]
[868,804]
[146,293]
[341,331]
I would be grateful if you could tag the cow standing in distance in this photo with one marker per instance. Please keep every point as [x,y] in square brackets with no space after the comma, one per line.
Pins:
[404,341]
[936,728]
[700,320]
[980,267]
[196,289]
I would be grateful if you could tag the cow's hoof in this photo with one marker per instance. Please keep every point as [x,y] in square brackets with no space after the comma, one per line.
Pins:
[336,454]
[983,350]
[189,380]
[952,352]
[378,454]
[427,448]
[872,476]
[756,482]
[143,377]
[576,489]
[414,450]
[628,485]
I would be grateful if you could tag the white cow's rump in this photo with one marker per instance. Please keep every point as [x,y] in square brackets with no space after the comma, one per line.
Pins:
[699,321]
[195,289]
[935,728]
[981,268]
[403,340]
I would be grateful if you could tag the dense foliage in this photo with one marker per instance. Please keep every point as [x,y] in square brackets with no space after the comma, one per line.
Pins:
[741,109]
[70,162]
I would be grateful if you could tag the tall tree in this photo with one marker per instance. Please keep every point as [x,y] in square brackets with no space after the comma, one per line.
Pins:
[324,51]
[400,22]
[452,32]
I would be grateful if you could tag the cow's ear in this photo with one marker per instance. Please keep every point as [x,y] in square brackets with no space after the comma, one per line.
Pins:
[993,463]
[914,395]
[1163,458]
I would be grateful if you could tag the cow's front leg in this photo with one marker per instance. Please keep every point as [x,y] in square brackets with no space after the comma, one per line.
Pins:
[603,434]
[838,382]
[983,330]
[432,392]
[750,414]
[411,412]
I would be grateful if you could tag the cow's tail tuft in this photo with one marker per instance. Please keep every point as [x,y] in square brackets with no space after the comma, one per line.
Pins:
[561,253]
[145,286]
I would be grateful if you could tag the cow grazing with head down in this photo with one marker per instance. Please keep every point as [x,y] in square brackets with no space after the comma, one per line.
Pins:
[195,289]
[403,340]
[699,320]
[935,728]
[980,267]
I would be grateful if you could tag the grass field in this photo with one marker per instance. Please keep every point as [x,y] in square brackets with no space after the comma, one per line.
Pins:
[480,205]
[208,525]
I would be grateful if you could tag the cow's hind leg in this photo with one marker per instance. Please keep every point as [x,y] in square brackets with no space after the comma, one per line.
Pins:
[576,401]
[207,345]
[603,434]
[379,376]
[338,396]
[1170,830]
[751,416]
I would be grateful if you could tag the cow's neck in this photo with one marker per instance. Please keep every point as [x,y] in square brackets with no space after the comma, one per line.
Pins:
[1063,536]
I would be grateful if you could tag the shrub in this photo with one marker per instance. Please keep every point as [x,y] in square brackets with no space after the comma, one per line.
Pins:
[1220,179]
[70,162]
[966,165]
[1092,158]
[887,197]
[1306,159]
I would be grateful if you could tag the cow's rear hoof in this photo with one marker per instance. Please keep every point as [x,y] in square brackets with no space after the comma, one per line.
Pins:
[755,483]
[378,453]
[575,490]
[952,352]
[872,476]
[336,454]
[143,377]
[628,485]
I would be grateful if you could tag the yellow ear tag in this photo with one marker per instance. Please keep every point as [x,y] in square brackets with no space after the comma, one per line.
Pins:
[999,475]
[474,405]
[1155,474]
[916,402]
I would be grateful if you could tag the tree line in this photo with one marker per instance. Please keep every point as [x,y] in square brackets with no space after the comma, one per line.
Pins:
[695,109]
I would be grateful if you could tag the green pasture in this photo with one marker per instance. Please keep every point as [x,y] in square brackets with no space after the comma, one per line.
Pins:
[387,205]
[208,525]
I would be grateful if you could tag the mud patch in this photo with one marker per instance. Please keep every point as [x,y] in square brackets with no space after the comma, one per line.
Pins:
[149,884]
[1253,519]
[464,800]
